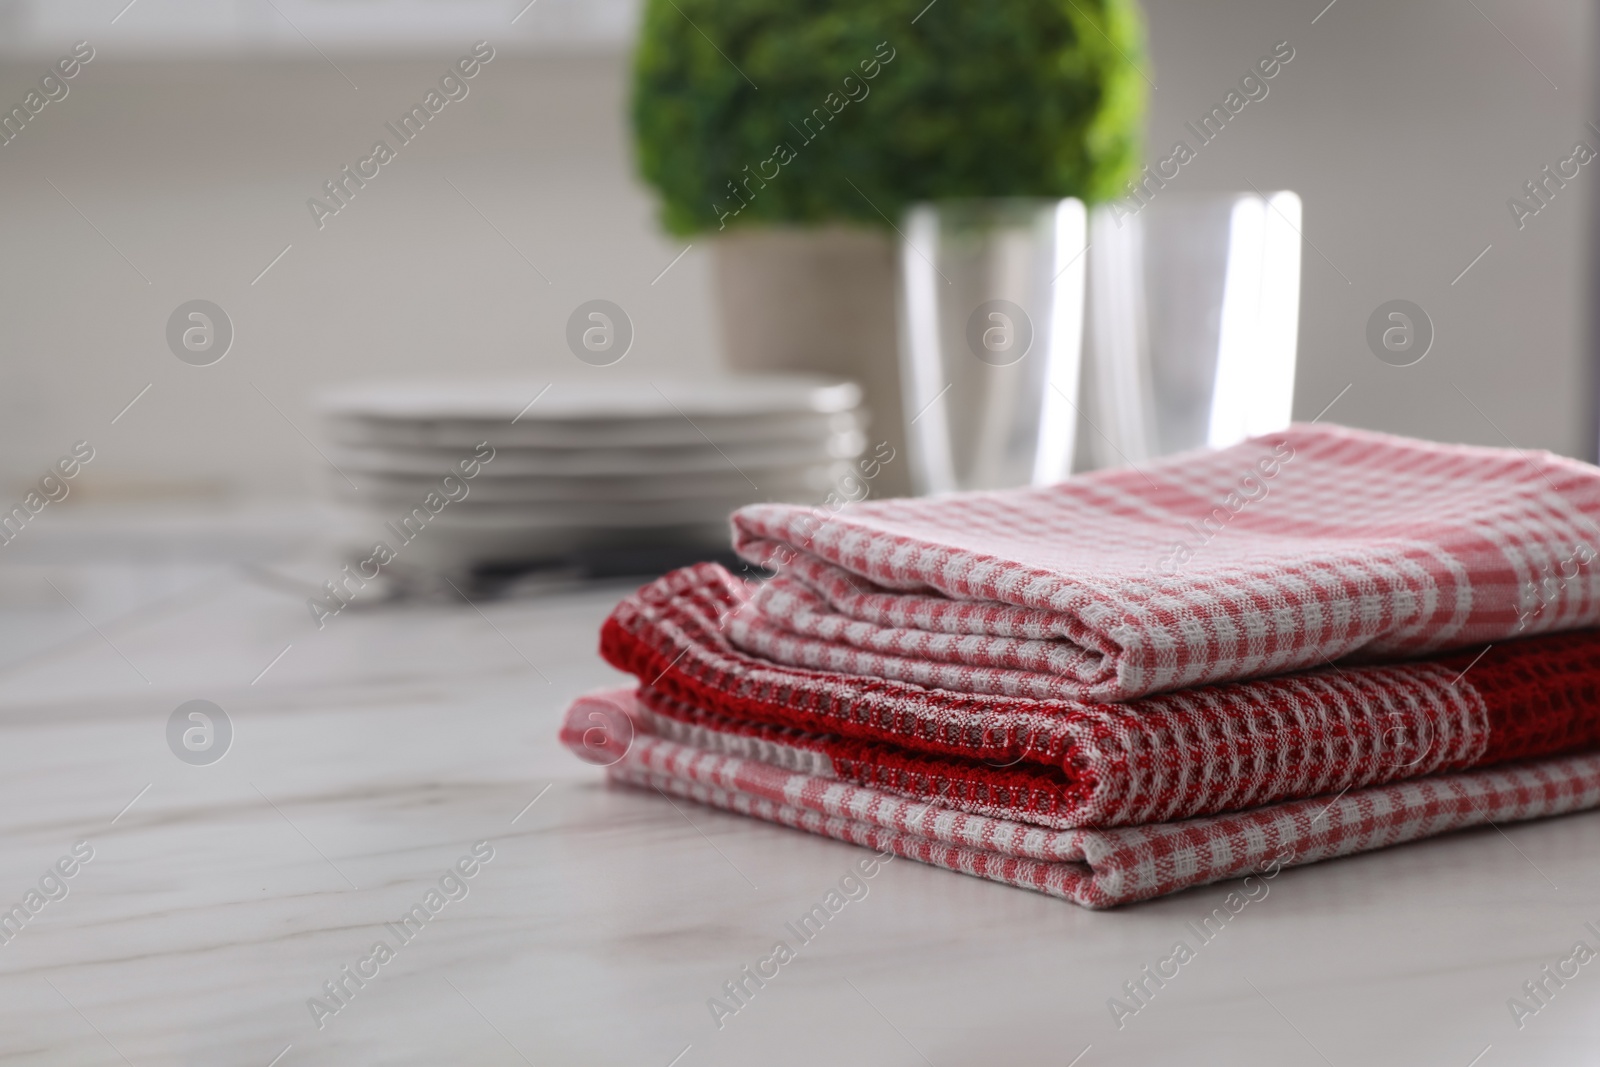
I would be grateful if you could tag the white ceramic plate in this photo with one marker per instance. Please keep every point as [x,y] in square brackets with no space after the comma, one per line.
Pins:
[516,462]
[608,400]
[745,484]
[673,431]
[592,513]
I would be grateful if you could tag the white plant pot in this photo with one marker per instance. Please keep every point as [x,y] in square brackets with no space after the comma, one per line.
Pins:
[819,301]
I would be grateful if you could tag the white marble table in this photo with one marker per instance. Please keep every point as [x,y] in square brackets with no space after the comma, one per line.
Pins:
[372,755]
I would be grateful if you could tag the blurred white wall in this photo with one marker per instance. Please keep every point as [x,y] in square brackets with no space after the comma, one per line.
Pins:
[199,175]
[1405,128]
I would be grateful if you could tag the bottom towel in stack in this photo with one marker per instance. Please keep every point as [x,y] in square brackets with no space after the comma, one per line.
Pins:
[791,786]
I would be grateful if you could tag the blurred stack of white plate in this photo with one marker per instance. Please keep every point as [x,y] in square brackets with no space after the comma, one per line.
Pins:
[578,467]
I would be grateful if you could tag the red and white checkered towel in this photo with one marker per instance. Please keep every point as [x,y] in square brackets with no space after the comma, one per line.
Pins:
[1066,764]
[1096,868]
[1065,688]
[1281,553]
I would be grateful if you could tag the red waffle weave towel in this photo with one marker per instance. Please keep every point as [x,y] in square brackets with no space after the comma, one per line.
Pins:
[1096,868]
[1281,553]
[1066,764]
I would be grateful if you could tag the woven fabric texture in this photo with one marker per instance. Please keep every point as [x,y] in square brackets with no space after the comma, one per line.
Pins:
[1098,868]
[1278,554]
[1068,764]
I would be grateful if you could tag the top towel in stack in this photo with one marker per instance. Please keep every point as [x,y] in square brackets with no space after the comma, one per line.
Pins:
[1284,552]
[1071,687]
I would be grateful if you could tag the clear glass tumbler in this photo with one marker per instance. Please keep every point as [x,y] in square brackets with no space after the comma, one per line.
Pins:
[1193,312]
[991,330]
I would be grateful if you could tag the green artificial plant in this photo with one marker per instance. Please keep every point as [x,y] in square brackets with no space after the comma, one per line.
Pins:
[809,111]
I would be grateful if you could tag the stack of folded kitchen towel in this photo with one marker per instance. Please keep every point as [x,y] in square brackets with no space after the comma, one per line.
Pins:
[1307,645]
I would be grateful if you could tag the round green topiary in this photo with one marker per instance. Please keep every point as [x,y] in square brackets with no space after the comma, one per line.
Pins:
[809,111]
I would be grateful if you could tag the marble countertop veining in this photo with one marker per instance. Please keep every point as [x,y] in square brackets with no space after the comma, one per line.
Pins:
[368,759]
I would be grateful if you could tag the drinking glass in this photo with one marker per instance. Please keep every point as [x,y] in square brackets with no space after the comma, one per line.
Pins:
[991,299]
[1193,311]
